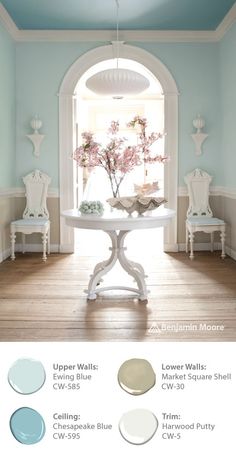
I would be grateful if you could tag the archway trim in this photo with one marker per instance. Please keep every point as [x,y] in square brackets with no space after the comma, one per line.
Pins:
[66,109]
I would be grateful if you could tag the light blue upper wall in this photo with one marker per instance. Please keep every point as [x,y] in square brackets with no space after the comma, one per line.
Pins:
[195,68]
[228,105]
[40,70]
[7,109]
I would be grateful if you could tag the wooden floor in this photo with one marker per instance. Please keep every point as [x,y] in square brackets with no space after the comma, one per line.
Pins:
[46,301]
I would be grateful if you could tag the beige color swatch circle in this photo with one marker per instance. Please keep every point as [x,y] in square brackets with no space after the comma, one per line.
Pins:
[136,376]
[138,426]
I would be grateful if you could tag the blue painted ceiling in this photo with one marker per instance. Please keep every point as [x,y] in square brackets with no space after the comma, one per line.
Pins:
[133,14]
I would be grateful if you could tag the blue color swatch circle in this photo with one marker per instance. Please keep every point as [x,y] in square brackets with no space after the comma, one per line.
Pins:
[27,426]
[26,376]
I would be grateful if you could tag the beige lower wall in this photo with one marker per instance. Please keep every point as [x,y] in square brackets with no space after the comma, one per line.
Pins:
[222,207]
[229,215]
[12,208]
[7,214]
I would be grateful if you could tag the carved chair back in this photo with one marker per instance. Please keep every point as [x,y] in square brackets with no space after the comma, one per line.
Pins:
[198,183]
[36,184]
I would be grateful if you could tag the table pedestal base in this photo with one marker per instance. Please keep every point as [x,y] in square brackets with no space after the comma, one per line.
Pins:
[132,268]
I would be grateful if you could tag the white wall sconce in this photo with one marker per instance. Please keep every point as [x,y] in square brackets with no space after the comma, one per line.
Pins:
[36,138]
[199,136]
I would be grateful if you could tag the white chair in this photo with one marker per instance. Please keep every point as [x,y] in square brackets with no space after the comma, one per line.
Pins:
[199,214]
[35,216]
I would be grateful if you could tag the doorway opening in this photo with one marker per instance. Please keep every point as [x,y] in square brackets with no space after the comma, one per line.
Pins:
[67,104]
[94,113]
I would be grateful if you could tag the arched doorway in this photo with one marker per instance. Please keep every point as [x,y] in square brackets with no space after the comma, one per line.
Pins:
[66,100]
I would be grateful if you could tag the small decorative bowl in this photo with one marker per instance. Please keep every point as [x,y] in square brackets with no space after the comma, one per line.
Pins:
[91,207]
[140,204]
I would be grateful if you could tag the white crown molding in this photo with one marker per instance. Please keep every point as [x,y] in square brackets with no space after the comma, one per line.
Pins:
[130,36]
[221,191]
[156,36]
[227,22]
[8,23]
[20,192]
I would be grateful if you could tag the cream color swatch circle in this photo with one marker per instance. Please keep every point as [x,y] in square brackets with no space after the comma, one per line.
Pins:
[138,426]
[136,376]
[26,376]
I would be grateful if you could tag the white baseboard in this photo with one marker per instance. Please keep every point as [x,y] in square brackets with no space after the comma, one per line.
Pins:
[168,248]
[207,247]
[36,247]
[67,249]
[201,246]
[4,254]
[230,252]
[33,248]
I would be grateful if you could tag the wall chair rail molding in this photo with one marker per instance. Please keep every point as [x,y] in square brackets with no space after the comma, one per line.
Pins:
[8,192]
[20,192]
[180,36]
[220,191]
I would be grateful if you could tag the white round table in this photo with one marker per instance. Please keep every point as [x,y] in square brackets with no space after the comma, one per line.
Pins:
[117,225]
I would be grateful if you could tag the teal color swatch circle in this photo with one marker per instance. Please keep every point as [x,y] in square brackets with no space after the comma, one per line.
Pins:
[27,426]
[26,376]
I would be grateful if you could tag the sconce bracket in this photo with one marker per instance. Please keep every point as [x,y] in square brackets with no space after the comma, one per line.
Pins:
[198,139]
[36,139]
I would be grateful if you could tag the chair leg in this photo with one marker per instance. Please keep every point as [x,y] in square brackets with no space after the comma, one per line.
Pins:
[23,242]
[44,240]
[13,241]
[212,242]
[48,235]
[186,239]
[191,239]
[222,237]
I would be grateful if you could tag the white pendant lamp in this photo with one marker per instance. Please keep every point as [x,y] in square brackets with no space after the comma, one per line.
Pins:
[117,82]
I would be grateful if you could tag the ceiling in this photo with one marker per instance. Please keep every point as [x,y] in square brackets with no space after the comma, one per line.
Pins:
[133,14]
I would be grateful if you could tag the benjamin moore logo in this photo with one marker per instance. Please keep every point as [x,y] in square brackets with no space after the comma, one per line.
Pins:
[159,328]
[154,329]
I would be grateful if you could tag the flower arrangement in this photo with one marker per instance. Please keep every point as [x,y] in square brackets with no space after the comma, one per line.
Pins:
[116,157]
[94,207]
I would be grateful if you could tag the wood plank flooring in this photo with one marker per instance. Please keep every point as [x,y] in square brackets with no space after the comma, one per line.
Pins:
[46,301]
